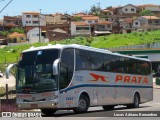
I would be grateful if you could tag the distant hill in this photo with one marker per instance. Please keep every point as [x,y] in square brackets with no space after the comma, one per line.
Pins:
[11,54]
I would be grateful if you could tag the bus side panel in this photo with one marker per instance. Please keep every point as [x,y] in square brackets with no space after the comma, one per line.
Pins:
[106,95]
[104,88]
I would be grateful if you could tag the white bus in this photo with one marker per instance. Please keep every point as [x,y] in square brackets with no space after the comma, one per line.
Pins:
[77,77]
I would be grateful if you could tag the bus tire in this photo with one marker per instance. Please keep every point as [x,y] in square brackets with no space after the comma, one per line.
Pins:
[136,101]
[48,112]
[108,107]
[83,104]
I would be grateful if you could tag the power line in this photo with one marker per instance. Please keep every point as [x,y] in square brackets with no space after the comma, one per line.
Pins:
[5,5]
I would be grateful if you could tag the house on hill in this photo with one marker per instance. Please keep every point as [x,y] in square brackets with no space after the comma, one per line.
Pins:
[151,7]
[33,35]
[33,19]
[128,9]
[16,38]
[10,22]
[147,22]
[103,27]
[80,28]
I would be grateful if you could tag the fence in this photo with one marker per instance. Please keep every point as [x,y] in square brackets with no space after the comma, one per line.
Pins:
[141,46]
[7,92]
[7,98]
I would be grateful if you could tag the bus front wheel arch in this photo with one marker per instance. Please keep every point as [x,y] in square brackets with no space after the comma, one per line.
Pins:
[83,103]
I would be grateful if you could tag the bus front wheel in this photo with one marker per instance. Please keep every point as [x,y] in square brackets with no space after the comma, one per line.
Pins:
[83,104]
[48,111]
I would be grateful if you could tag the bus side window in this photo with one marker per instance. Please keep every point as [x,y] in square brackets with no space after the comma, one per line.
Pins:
[95,60]
[88,60]
[82,60]
[108,61]
[66,67]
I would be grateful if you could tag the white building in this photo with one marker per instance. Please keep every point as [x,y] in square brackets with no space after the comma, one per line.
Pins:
[130,9]
[151,7]
[146,21]
[80,28]
[32,19]
[33,36]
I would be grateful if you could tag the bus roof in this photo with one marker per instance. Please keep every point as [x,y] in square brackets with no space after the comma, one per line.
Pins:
[60,46]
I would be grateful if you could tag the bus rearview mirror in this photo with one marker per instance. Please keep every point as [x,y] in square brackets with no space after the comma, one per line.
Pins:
[55,67]
[9,68]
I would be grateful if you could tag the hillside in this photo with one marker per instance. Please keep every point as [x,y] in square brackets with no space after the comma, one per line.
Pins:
[11,54]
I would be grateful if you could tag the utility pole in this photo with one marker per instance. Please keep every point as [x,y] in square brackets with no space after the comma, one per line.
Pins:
[150,22]
[40,26]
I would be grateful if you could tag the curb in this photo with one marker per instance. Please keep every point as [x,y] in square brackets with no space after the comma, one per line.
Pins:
[157,87]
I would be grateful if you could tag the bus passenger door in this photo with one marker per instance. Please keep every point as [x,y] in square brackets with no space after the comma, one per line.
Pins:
[65,78]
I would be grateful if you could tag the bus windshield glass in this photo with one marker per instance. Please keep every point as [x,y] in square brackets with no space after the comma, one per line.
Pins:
[35,71]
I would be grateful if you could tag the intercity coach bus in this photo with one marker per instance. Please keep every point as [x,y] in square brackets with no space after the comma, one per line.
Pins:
[77,77]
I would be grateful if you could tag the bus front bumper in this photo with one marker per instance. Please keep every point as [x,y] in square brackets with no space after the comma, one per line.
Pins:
[37,105]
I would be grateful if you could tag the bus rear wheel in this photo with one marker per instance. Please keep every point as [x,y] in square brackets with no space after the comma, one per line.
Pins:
[136,102]
[83,104]
[108,107]
[48,111]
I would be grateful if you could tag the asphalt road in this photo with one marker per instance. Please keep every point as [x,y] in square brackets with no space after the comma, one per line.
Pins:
[97,113]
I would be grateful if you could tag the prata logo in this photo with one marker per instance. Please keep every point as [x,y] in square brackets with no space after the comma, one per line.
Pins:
[98,77]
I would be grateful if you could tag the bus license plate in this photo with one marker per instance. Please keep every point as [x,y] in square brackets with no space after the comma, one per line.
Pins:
[34,105]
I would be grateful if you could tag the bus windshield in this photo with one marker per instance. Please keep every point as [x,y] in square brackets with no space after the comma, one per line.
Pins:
[35,71]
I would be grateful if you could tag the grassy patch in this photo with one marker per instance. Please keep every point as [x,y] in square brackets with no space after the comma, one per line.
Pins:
[11,54]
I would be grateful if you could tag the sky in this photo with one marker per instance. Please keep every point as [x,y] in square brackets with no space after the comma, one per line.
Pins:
[16,7]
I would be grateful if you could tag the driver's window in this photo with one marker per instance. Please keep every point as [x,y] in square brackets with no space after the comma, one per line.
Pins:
[66,67]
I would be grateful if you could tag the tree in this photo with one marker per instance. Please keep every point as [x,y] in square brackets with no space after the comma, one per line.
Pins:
[4,33]
[95,9]
[76,19]
[109,7]
[146,13]
[19,30]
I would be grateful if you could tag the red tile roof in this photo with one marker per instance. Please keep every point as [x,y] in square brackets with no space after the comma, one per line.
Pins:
[11,25]
[104,22]
[80,23]
[148,5]
[15,35]
[82,15]
[34,13]
[151,17]
[128,20]
[90,18]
